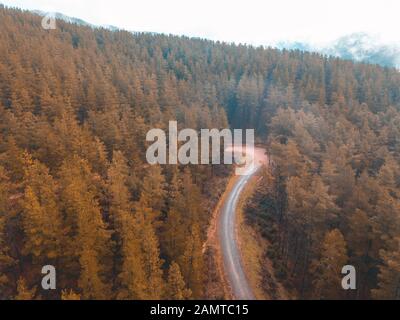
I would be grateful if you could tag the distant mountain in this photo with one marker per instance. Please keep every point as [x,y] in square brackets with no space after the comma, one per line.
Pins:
[359,47]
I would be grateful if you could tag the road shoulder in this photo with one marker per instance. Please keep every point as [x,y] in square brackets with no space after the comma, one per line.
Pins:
[252,246]
[213,245]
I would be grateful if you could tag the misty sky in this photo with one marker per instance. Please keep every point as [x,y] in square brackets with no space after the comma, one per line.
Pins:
[247,21]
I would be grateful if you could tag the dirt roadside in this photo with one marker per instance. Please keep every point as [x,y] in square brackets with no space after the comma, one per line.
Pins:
[252,249]
[212,244]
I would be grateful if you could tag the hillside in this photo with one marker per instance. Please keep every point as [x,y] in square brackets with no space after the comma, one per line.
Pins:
[359,47]
[76,190]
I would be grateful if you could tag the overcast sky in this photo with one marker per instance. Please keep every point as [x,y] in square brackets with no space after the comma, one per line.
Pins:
[257,22]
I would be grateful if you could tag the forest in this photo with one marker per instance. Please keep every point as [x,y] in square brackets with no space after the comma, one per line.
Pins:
[76,191]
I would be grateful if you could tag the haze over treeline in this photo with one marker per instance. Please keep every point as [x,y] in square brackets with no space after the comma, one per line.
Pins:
[76,191]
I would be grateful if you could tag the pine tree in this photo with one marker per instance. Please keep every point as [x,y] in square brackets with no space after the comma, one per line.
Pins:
[6,262]
[70,295]
[176,289]
[152,262]
[327,270]
[184,211]
[91,239]
[363,241]
[191,262]
[291,161]
[173,236]
[153,192]
[389,175]
[131,279]
[389,276]
[42,219]
[13,160]
[23,293]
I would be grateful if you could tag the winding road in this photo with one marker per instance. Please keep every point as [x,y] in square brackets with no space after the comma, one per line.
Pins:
[233,267]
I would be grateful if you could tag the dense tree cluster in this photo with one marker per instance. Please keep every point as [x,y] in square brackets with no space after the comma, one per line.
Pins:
[332,198]
[76,190]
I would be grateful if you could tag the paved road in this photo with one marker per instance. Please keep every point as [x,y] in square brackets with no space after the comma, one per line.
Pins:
[227,236]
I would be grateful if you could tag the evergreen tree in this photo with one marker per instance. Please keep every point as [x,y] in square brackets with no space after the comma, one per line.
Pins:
[389,276]
[153,192]
[176,289]
[6,261]
[42,219]
[327,270]
[23,293]
[191,263]
[91,238]
[70,295]
[131,277]
[152,262]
